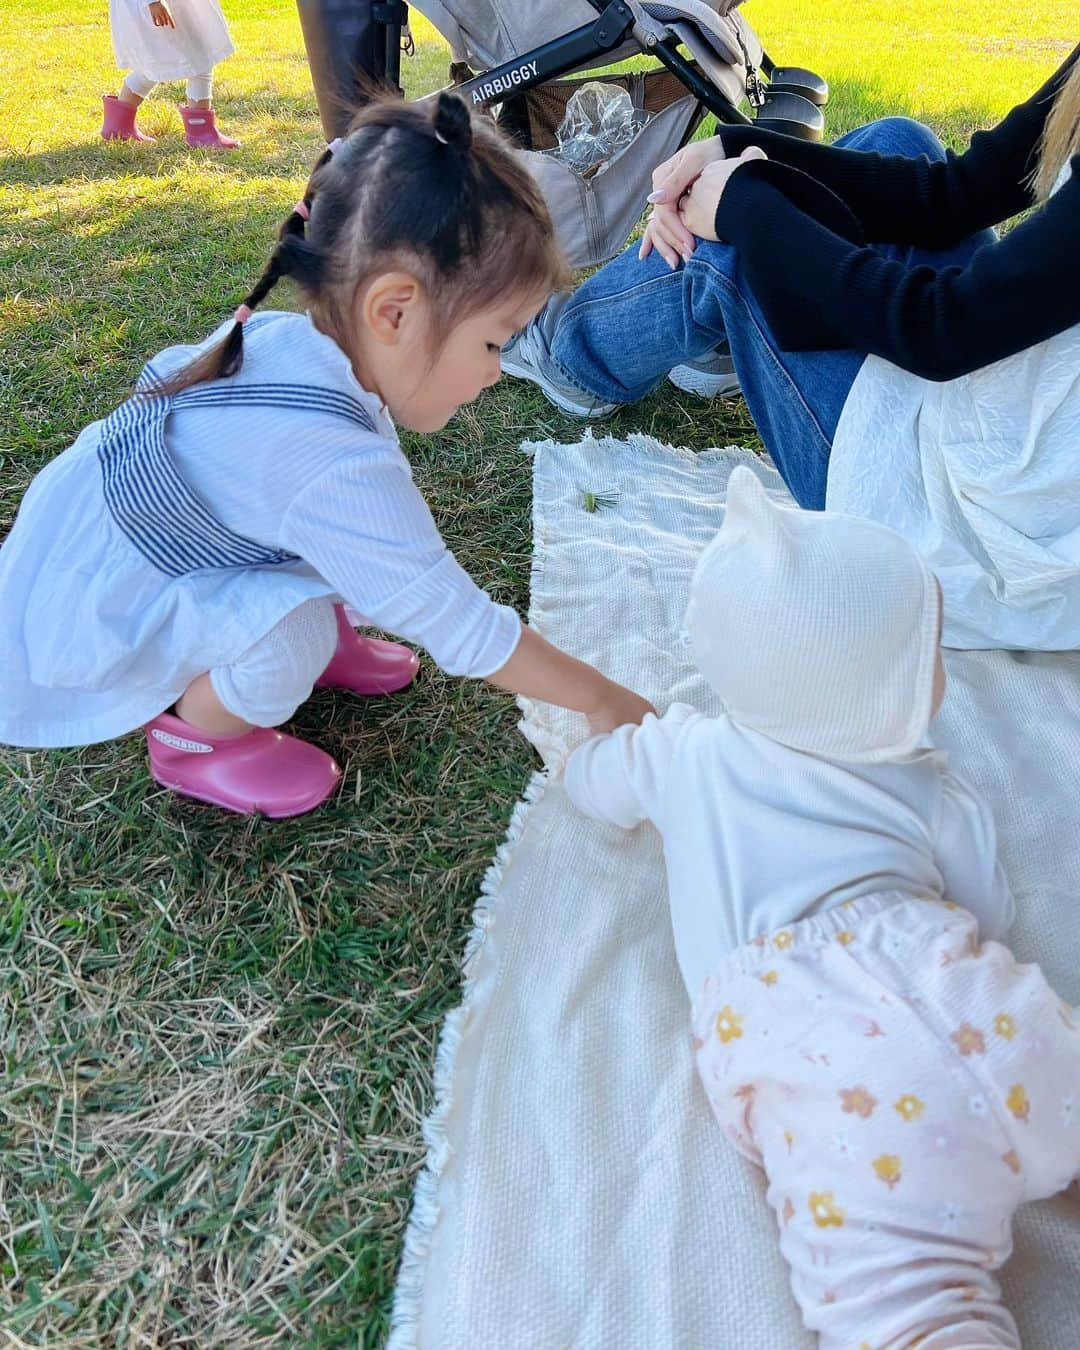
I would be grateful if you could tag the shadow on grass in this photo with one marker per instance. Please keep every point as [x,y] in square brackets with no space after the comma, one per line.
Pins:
[279,133]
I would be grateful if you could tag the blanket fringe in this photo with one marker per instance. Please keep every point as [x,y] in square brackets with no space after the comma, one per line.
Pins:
[640,445]
[408,1294]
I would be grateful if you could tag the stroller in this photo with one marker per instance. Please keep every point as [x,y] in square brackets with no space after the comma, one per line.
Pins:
[591,141]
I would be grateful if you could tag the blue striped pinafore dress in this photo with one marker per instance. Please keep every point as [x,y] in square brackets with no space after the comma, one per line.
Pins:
[118,584]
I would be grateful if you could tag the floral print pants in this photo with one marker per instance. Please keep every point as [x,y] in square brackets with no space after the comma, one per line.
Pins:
[904,1089]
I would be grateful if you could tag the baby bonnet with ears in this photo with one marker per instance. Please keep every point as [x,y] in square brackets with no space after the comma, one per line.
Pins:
[816,629]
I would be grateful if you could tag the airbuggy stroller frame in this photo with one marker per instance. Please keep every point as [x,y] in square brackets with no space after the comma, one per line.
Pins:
[709,59]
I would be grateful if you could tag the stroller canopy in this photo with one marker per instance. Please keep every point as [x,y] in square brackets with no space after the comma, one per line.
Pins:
[487,33]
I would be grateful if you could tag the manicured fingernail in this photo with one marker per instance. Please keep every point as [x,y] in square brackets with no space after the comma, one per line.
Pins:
[658,196]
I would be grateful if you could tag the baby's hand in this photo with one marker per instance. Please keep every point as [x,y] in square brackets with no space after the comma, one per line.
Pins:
[619,706]
[161,15]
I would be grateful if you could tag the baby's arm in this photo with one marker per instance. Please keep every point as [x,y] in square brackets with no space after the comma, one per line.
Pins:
[966,855]
[620,778]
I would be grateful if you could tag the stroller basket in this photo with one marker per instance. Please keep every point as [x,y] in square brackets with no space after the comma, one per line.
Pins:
[509,56]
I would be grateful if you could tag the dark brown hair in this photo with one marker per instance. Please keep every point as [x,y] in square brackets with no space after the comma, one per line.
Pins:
[425,187]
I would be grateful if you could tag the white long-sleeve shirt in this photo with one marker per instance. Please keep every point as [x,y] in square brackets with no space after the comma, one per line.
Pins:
[757,836]
[181,531]
[339,496]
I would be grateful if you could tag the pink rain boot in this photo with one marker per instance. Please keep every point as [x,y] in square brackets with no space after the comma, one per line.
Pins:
[260,770]
[119,123]
[367,665]
[200,129]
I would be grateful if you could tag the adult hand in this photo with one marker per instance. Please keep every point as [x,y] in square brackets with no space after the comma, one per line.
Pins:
[664,231]
[161,15]
[697,209]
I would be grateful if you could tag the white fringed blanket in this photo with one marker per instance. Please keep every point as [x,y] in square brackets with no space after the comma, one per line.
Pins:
[577,1194]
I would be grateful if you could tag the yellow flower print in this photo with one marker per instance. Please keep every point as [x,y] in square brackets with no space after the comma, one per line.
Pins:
[789,1139]
[770,977]
[728,1024]
[845,937]
[1005,1026]
[1012,1161]
[1017,1102]
[969,1040]
[789,1211]
[825,1212]
[887,1168]
[783,940]
[857,1101]
[909,1106]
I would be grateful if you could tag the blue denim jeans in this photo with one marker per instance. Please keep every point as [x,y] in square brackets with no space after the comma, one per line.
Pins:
[632,321]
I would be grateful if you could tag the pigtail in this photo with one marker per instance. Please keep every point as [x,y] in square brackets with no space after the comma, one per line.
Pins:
[293,256]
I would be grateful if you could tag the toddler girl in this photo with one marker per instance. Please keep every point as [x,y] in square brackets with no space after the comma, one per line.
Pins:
[167,40]
[189,549]
[901,1080]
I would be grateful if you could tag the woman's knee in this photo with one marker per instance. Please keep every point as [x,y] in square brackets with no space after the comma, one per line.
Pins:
[895,136]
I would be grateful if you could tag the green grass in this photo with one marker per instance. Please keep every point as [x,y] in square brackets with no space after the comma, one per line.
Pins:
[218,1033]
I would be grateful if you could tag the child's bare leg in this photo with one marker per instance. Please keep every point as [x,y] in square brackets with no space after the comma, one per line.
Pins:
[202,708]
[135,88]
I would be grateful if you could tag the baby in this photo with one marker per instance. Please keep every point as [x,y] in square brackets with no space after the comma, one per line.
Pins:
[904,1084]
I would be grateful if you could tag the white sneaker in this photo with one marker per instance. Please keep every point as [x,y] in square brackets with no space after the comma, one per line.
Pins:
[527,356]
[709,376]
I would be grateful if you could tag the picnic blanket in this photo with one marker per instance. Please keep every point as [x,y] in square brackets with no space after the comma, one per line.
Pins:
[577,1193]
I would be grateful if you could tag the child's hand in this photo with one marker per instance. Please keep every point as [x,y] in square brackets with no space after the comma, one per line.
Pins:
[161,15]
[539,670]
[620,706]
[697,209]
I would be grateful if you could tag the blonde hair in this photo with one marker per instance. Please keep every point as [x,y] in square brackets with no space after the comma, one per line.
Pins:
[1061,136]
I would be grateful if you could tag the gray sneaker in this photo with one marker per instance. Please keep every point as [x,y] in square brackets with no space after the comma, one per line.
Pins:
[709,376]
[527,356]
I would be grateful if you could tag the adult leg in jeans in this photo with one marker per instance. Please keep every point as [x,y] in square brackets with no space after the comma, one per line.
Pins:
[632,321]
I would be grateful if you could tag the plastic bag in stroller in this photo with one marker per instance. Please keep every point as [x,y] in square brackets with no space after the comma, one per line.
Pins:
[592,150]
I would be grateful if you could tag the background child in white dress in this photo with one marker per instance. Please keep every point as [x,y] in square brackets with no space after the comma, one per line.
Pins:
[189,549]
[167,40]
[901,1080]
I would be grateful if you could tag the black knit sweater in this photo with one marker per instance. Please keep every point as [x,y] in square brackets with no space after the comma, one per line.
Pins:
[802,219]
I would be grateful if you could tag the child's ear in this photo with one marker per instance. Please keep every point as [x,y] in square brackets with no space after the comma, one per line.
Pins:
[390,307]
